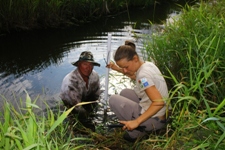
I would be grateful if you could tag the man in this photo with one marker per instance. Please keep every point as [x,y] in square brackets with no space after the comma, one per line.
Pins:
[81,85]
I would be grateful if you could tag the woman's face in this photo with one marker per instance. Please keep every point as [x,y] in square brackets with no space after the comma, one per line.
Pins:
[85,68]
[127,66]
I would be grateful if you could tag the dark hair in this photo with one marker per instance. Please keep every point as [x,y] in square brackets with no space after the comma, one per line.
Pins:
[128,51]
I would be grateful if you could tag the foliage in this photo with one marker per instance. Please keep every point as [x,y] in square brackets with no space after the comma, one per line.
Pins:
[33,14]
[29,131]
[190,53]
[52,130]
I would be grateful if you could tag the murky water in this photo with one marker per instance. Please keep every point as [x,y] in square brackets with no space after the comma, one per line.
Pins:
[37,61]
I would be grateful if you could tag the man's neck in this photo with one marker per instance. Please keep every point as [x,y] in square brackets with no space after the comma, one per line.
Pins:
[85,78]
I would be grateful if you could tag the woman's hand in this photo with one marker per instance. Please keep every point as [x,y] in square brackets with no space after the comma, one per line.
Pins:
[112,66]
[129,125]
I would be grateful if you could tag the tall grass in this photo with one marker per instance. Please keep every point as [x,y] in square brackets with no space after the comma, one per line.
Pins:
[190,52]
[32,14]
[29,131]
[25,130]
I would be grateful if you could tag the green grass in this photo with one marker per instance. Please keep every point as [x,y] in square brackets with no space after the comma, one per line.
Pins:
[34,14]
[190,53]
[25,130]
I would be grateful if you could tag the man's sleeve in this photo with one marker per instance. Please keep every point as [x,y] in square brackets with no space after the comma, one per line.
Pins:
[97,92]
[69,93]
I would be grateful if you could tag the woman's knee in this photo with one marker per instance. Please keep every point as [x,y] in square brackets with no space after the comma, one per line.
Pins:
[130,94]
[126,92]
[113,100]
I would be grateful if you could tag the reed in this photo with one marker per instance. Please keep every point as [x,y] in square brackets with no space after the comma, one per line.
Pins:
[28,15]
[26,130]
[23,129]
[190,53]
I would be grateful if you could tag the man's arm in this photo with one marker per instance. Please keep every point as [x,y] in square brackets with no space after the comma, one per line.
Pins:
[69,92]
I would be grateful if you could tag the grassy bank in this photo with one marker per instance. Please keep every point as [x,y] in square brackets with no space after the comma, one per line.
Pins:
[22,129]
[27,14]
[190,52]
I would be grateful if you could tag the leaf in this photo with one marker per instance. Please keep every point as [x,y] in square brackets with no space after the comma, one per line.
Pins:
[60,120]
[219,107]
[65,114]
[85,103]
[211,119]
[220,140]
[31,147]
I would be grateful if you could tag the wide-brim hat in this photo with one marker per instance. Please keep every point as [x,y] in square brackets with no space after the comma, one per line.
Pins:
[86,56]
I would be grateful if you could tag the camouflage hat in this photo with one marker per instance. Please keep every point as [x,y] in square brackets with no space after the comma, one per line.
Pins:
[86,56]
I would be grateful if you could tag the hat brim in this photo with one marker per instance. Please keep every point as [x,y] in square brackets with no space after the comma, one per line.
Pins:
[93,62]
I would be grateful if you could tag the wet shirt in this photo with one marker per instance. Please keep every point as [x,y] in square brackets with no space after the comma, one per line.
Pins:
[148,75]
[74,90]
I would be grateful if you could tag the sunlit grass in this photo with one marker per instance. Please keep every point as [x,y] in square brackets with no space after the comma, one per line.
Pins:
[29,131]
[52,130]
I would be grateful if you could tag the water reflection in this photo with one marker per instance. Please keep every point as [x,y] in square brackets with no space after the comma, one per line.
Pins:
[37,61]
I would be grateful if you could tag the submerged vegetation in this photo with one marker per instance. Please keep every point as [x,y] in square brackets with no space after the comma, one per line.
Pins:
[190,53]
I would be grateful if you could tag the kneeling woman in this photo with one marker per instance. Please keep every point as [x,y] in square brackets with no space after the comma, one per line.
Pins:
[145,105]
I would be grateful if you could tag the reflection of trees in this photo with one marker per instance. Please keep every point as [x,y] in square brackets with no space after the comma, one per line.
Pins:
[24,52]
[27,52]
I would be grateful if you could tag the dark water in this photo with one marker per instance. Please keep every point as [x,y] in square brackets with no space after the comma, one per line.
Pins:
[37,61]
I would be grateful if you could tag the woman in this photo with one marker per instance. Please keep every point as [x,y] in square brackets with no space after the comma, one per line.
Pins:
[146,104]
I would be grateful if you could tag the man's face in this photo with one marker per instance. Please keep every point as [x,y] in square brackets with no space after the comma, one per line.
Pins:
[85,68]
